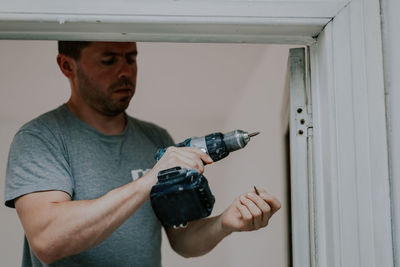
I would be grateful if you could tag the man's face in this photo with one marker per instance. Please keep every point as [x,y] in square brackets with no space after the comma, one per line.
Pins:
[106,76]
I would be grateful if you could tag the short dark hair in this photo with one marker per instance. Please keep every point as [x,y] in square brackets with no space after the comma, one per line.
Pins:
[72,48]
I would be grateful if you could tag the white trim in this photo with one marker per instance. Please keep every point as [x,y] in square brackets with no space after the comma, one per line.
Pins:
[276,21]
[251,30]
[326,188]
[174,8]
[391,41]
[300,183]
[351,171]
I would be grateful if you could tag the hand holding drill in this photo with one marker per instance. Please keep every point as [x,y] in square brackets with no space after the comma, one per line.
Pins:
[182,195]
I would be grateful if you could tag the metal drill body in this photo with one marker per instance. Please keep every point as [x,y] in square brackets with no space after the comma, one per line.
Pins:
[216,145]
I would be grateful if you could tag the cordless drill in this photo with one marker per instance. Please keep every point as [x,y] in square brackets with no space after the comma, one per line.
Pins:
[183,195]
[216,145]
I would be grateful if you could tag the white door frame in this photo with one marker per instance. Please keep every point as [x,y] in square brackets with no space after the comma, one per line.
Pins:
[301,145]
[350,145]
[351,199]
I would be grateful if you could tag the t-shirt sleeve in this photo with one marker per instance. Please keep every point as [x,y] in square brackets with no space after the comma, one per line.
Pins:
[167,139]
[36,162]
[158,135]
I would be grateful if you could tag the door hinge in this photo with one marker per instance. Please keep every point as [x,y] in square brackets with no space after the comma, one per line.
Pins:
[303,122]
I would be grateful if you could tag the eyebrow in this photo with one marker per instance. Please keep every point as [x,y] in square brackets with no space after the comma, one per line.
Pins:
[109,53]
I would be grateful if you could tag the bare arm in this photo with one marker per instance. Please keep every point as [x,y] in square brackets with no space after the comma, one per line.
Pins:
[57,227]
[247,213]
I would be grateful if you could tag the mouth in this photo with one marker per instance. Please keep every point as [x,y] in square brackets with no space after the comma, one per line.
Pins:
[126,90]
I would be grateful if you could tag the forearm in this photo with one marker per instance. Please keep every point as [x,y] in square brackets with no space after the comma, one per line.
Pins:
[198,238]
[250,211]
[80,225]
[63,228]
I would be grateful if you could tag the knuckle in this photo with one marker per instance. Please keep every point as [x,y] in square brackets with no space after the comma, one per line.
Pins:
[257,213]
[268,209]
[248,218]
[170,149]
[238,205]
[201,168]
[278,204]
[269,198]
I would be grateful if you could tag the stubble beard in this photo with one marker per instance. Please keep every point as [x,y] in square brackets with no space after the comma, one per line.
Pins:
[101,100]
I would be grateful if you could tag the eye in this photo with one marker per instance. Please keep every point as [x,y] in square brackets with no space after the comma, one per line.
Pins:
[131,60]
[108,62]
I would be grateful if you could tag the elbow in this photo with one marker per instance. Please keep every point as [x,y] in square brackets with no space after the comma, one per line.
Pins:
[187,253]
[187,256]
[44,257]
[45,251]
[184,254]
[179,251]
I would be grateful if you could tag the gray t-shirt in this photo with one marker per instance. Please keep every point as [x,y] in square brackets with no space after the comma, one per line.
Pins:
[57,151]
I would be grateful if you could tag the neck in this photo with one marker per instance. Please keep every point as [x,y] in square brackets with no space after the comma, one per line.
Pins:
[110,125]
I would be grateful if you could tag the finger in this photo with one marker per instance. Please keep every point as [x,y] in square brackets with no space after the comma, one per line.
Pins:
[273,202]
[190,162]
[184,158]
[200,153]
[246,215]
[266,210]
[255,211]
[194,157]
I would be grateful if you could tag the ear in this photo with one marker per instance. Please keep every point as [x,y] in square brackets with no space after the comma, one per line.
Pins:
[67,65]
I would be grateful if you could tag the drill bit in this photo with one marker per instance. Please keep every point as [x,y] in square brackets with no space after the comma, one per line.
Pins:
[254,134]
[255,189]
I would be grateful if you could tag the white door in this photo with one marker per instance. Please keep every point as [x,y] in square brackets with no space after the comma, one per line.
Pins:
[300,161]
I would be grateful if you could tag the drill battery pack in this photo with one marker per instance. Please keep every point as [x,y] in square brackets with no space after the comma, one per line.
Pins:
[180,196]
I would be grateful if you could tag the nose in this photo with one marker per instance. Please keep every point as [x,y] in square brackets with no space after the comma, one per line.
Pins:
[127,70]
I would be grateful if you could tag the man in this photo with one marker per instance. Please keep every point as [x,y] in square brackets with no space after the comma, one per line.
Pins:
[73,172]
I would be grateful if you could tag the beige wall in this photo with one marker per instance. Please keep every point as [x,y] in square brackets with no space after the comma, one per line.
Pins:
[190,89]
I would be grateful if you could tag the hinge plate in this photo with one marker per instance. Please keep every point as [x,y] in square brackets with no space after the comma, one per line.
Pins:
[303,122]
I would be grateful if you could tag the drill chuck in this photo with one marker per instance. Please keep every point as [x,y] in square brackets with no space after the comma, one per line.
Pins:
[237,139]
